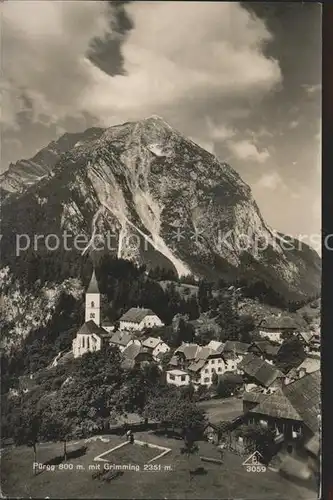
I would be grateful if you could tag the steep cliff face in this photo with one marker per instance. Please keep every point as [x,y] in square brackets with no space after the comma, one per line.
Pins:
[153,196]
[27,172]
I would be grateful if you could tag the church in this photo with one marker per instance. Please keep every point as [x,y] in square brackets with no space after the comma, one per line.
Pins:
[92,335]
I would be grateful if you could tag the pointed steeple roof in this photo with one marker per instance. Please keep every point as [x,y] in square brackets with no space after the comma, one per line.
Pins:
[93,285]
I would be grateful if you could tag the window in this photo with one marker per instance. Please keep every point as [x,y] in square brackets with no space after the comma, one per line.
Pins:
[213,361]
[83,342]
[88,342]
[92,304]
[206,370]
[92,315]
[183,378]
[206,380]
[219,369]
[219,360]
[171,377]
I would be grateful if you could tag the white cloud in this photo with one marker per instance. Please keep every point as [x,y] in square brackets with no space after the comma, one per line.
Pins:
[180,60]
[293,124]
[312,89]
[271,180]
[247,150]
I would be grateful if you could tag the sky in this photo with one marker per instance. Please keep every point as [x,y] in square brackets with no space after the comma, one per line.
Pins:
[243,80]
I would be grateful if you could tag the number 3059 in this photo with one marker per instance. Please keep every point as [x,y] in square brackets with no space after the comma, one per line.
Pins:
[255,468]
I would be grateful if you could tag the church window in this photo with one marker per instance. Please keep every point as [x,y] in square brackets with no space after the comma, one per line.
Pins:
[83,342]
[92,315]
[88,342]
[93,304]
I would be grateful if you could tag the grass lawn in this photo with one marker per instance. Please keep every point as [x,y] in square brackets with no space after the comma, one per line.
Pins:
[229,480]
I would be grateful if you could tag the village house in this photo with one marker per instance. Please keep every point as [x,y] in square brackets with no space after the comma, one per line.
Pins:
[310,364]
[157,346]
[123,339]
[293,410]
[138,318]
[233,353]
[306,340]
[177,377]
[136,355]
[259,374]
[89,338]
[264,349]
[276,327]
[199,362]
[184,355]
[206,363]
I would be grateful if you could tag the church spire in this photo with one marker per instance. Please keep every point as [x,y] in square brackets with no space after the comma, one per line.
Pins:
[93,285]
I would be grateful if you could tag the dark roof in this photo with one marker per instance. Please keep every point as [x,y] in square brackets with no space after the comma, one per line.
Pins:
[304,395]
[277,405]
[279,323]
[90,327]
[235,346]
[136,314]
[260,370]
[173,361]
[121,338]
[189,350]
[93,285]
[266,347]
[253,397]
[133,350]
[197,365]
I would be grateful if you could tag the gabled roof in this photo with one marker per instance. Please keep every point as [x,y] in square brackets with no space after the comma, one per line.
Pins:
[235,346]
[253,397]
[204,352]
[121,338]
[266,347]
[136,314]
[90,328]
[151,342]
[93,285]
[277,405]
[216,345]
[189,350]
[258,369]
[304,394]
[310,364]
[197,365]
[131,351]
[173,361]
[306,336]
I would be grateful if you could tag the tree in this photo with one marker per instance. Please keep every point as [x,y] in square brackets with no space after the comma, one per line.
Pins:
[215,379]
[228,385]
[291,354]
[259,438]
[174,410]
[27,425]
[190,447]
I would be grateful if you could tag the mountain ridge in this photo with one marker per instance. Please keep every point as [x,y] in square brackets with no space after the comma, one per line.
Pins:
[144,180]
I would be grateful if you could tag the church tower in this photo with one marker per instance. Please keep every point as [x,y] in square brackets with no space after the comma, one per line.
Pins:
[93,301]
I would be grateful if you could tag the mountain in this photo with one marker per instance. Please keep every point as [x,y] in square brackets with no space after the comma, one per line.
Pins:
[27,172]
[152,196]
